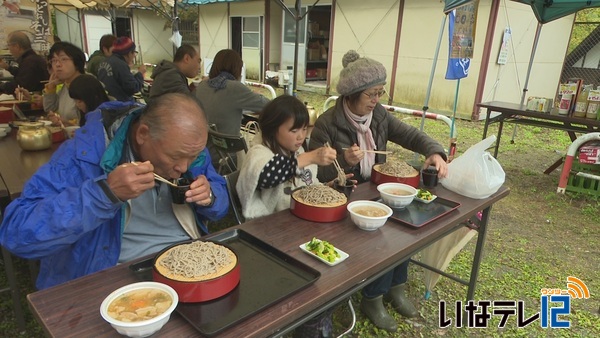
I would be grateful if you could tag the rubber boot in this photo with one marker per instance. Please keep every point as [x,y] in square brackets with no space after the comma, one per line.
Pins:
[400,302]
[374,310]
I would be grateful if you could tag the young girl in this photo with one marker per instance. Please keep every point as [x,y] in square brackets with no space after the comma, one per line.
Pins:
[277,160]
[88,94]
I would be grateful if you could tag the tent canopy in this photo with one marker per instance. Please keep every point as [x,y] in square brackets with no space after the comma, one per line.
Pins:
[452,4]
[204,2]
[548,10]
[89,4]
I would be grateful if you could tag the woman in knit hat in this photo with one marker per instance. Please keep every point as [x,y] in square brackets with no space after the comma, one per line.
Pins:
[115,73]
[358,122]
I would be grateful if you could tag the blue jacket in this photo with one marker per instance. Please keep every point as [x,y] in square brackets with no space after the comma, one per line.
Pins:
[115,74]
[64,219]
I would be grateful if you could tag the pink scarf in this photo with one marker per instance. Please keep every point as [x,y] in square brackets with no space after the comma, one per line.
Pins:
[365,138]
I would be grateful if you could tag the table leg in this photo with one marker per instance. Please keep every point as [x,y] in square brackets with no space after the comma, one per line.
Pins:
[500,126]
[487,123]
[553,166]
[477,258]
[13,288]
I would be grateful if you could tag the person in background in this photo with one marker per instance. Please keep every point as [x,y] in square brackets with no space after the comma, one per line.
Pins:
[97,203]
[30,70]
[88,94]
[358,122]
[224,97]
[115,73]
[106,46]
[68,62]
[172,77]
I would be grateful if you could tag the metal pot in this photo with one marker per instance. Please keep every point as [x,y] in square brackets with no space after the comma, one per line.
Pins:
[34,136]
[312,115]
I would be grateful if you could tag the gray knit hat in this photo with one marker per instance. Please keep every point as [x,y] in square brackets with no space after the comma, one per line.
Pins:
[359,74]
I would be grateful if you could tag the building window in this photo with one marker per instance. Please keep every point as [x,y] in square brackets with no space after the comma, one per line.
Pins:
[251,32]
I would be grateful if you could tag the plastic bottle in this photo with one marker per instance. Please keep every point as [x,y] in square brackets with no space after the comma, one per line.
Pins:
[565,104]
[582,102]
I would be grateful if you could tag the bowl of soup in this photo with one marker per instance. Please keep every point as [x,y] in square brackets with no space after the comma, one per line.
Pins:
[369,215]
[397,195]
[139,309]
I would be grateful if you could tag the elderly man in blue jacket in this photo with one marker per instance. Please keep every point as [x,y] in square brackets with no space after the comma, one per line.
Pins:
[96,203]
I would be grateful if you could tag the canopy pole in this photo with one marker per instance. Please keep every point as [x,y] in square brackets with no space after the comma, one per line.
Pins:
[533,50]
[175,24]
[538,31]
[297,19]
[428,94]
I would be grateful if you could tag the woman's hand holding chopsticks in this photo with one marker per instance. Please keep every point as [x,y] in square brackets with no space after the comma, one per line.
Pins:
[22,94]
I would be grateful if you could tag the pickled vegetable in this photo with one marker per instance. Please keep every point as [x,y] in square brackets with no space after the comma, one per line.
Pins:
[323,249]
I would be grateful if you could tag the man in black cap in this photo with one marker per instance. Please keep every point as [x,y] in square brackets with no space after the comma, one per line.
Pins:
[115,73]
[30,69]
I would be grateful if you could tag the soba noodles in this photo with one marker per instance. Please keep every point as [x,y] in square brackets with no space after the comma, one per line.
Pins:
[320,195]
[197,259]
[397,169]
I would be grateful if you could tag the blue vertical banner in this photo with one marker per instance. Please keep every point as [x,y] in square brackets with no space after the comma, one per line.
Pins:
[461,35]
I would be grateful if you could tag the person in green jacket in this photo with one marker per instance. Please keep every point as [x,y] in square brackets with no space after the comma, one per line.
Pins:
[106,46]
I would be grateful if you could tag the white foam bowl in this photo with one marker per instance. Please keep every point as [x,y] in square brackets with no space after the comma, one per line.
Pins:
[5,127]
[70,130]
[367,222]
[396,201]
[143,328]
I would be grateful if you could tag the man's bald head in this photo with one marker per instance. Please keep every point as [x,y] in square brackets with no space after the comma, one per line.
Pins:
[174,111]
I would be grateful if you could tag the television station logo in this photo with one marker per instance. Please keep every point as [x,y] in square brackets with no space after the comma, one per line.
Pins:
[554,302]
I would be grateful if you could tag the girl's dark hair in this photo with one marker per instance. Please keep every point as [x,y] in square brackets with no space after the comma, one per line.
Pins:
[227,60]
[72,51]
[89,90]
[276,113]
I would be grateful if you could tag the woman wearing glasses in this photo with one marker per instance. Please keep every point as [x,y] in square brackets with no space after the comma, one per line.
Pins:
[358,122]
[67,62]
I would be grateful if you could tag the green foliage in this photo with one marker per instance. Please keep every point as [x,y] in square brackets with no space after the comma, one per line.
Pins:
[586,21]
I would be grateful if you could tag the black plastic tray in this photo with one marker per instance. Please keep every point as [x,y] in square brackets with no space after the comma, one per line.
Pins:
[267,275]
[418,214]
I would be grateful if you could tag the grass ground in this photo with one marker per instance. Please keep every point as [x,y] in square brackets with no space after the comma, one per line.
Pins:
[536,239]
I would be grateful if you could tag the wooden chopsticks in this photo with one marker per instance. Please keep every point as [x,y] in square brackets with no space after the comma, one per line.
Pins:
[384,152]
[164,180]
[20,97]
[160,178]
[341,172]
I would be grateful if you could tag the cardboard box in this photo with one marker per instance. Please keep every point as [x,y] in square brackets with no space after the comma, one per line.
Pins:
[314,54]
[313,28]
[322,73]
[589,154]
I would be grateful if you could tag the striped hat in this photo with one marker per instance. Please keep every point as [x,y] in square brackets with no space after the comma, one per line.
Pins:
[123,45]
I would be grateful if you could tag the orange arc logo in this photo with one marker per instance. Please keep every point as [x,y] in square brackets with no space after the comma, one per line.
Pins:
[577,288]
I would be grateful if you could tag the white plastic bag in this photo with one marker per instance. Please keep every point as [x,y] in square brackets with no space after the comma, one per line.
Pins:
[476,173]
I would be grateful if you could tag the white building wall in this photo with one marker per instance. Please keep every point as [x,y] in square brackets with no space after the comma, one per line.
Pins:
[151,36]
[214,30]
[370,28]
[68,27]
[506,82]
